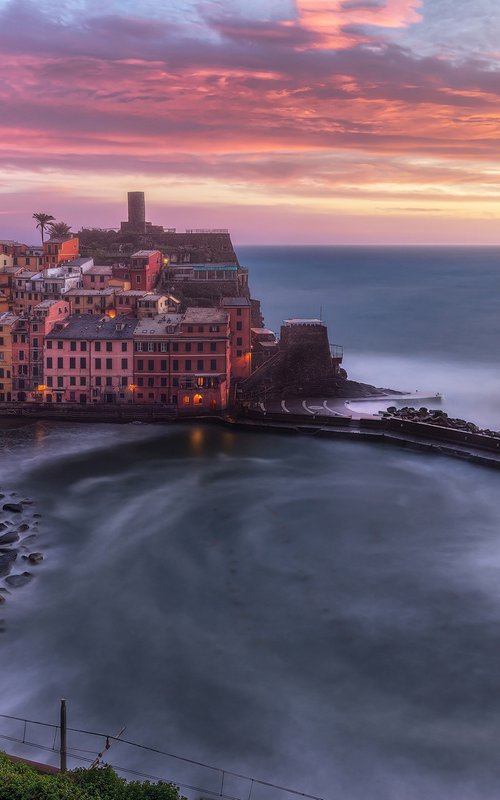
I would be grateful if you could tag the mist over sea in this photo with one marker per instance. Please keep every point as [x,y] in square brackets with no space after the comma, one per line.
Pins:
[321,614]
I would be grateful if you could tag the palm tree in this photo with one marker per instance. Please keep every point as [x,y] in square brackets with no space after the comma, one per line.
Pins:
[42,221]
[59,229]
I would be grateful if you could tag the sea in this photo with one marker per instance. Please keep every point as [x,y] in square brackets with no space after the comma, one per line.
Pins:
[275,611]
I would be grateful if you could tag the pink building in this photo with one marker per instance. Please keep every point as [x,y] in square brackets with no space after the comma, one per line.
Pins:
[97,277]
[239,309]
[183,360]
[143,271]
[28,338]
[89,359]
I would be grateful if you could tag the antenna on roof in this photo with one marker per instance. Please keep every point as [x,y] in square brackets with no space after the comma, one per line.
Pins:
[321,313]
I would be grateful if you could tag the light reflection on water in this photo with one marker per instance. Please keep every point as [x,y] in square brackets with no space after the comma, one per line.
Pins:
[319,613]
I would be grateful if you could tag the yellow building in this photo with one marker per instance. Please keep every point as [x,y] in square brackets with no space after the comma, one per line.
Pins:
[7,322]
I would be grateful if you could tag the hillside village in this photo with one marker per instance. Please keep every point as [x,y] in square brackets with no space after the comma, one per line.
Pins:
[145,315]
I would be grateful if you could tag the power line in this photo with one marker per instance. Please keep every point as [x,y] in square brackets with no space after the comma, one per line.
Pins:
[194,762]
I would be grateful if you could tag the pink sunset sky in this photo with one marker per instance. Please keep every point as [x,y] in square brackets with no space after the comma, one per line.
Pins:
[315,121]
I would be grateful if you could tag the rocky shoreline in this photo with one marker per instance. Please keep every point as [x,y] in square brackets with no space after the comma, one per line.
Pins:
[18,532]
[433,416]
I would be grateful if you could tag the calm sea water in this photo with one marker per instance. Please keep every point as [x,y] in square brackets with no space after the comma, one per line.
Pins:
[322,615]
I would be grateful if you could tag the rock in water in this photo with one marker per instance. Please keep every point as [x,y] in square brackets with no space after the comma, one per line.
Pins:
[9,538]
[23,527]
[35,558]
[15,507]
[19,580]
[6,561]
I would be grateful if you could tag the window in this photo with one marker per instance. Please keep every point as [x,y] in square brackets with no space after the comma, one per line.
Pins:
[60,362]
[186,399]
[151,381]
[239,341]
[199,347]
[83,363]
[175,365]
[97,347]
[138,347]
[97,363]
[175,382]
[199,364]
[188,347]
[60,382]
[214,329]
[239,326]
[140,365]
[72,346]
[59,345]
[163,381]
[151,365]
[163,365]
[72,363]
[164,347]
[49,380]
[35,342]
[188,365]
[72,395]
[98,381]
[137,278]
[213,347]
[83,346]
[175,347]
[124,363]
[49,345]
[198,399]
[200,328]
[124,347]
[109,363]
[109,347]
[83,381]
[109,381]
[238,312]
[140,381]
[72,381]
[213,363]
[190,328]
[124,381]
[151,347]
[239,353]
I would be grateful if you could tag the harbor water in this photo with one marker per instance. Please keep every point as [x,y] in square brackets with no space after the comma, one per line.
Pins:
[323,615]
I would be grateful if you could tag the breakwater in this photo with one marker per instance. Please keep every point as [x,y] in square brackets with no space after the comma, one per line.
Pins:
[407,428]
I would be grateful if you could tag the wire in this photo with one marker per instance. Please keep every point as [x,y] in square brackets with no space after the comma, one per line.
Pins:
[185,759]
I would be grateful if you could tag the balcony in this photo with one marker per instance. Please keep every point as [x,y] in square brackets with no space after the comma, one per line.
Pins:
[337,352]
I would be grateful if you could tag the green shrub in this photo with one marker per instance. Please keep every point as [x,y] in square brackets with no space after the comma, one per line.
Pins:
[20,782]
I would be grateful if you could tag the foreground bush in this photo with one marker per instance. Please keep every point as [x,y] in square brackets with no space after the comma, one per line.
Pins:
[21,782]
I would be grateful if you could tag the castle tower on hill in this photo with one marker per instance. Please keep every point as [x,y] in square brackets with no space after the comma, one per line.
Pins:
[136,223]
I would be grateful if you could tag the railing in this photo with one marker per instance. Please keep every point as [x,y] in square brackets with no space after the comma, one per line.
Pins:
[194,777]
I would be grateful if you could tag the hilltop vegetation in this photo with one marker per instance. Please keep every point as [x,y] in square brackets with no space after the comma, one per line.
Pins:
[21,782]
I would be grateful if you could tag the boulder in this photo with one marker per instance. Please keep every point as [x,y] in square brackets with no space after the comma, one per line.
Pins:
[9,538]
[35,558]
[36,516]
[19,580]
[6,561]
[23,527]
[15,507]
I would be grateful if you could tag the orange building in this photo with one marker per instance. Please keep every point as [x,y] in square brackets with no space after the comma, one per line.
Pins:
[239,309]
[7,323]
[60,249]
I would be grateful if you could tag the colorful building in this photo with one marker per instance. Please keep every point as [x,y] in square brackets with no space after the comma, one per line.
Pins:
[60,249]
[7,324]
[239,309]
[28,339]
[183,360]
[89,359]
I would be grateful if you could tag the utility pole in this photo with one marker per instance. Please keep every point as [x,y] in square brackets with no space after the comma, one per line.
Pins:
[62,749]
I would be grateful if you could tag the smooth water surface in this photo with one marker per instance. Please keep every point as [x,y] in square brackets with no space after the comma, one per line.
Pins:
[324,615]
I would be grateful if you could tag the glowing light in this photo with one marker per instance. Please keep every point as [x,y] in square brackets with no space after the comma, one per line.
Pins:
[198,399]
[41,387]
[111,313]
